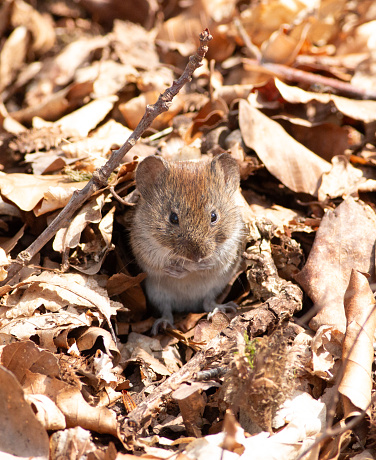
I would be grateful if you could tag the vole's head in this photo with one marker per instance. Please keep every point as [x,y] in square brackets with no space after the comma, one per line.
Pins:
[188,207]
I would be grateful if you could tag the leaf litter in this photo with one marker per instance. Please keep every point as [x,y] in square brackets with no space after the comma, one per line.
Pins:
[288,89]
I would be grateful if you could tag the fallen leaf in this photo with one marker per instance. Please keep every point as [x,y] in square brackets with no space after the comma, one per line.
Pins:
[344,240]
[293,164]
[21,434]
[356,384]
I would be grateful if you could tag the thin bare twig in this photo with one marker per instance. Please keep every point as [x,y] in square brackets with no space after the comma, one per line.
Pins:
[101,175]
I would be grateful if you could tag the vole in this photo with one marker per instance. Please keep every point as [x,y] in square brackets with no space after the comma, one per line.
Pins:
[187,233]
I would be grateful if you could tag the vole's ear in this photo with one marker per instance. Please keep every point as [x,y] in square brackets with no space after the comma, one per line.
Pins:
[148,172]
[230,170]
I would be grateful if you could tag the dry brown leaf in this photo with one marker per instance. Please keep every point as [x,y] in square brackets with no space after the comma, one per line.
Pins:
[120,282]
[21,357]
[192,408]
[21,434]
[134,45]
[109,77]
[357,382]
[293,164]
[345,240]
[134,109]
[79,413]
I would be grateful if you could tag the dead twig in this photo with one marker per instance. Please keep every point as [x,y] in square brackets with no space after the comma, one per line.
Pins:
[291,74]
[100,177]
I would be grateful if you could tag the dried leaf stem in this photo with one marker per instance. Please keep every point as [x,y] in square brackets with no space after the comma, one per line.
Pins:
[100,177]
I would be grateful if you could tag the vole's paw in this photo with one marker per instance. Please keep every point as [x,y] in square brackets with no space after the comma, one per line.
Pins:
[213,308]
[161,324]
[176,271]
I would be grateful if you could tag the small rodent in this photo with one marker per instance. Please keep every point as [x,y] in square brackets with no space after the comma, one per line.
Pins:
[187,233]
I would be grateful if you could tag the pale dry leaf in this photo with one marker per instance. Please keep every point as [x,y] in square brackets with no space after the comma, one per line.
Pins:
[73,443]
[69,236]
[293,164]
[109,77]
[86,118]
[341,181]
[134,45]
[26,190]
[63,66]
[103,367]
[344,240]
[69,289]
[358,351]
[36,383]
[99,142]
[24,328]
[21,434]
[46,412]
[261,20]
[326,348]
[181,32]
[12,55]
[40,26]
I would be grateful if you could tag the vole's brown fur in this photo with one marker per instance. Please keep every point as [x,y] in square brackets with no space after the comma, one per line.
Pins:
[190,257]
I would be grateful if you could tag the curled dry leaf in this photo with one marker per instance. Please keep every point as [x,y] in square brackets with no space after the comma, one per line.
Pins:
[293,164]
[46,412]
[69,237]
[326,348]
[79,413]
[21,434]
[344,240]
[88,338]
[342,180]
[358,351]
[64,290]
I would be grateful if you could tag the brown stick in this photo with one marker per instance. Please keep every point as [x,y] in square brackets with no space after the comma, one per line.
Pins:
[100,177]
[291,74]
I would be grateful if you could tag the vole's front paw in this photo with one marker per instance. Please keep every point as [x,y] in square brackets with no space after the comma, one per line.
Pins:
[161,324]
[176,271]
[212,308]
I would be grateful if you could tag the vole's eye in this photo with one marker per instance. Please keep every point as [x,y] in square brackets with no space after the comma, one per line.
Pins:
[174,219]
[213,217]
